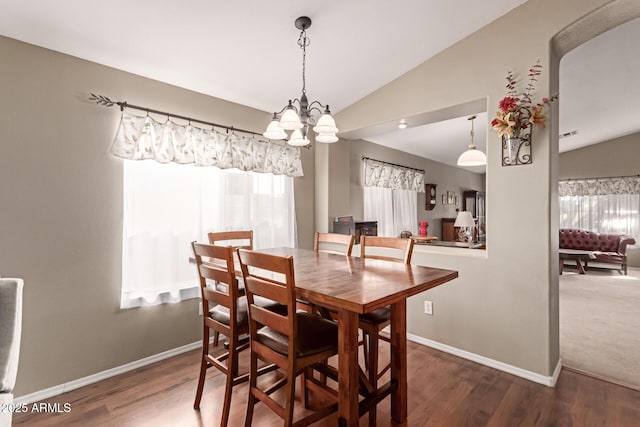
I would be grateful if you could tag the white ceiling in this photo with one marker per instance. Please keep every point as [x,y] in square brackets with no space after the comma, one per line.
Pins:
[246,52]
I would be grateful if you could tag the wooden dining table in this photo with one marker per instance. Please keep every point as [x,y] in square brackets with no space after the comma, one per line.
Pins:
[353,286]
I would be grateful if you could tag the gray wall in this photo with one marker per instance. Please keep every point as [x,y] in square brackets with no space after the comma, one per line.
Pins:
[61,213]
[617,157]
[503,306]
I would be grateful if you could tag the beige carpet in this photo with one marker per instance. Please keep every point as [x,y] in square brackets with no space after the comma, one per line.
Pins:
[600,324]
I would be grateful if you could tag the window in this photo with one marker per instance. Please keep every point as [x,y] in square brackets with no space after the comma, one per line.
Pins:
[167,206]
[603,205]
[610,214]
[395,210]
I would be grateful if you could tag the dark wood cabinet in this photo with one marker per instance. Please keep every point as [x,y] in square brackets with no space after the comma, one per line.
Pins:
[356,228]
[449,232]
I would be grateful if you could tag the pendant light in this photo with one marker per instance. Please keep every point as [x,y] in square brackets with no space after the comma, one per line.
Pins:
[473,156]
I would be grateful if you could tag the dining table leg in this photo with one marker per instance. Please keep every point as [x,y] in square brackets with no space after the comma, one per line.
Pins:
[399,363]
[348,395]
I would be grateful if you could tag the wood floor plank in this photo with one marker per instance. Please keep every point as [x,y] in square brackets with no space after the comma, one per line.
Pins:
[444,390]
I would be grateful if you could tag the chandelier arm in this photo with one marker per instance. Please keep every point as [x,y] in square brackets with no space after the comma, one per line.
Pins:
[316,108]
[320,104]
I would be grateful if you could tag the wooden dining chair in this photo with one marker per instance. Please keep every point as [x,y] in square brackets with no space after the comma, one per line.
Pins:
[295,343]
[224,312]
[333,243]
[240,239]
[395,250]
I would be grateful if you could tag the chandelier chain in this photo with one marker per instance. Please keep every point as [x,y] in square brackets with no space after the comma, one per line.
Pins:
[303,42]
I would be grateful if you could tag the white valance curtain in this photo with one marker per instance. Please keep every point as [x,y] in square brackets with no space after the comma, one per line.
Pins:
[378,174]
[599,186]
[140,138]
[391,197]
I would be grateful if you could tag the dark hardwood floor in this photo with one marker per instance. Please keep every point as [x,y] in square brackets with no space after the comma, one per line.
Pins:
[444,390]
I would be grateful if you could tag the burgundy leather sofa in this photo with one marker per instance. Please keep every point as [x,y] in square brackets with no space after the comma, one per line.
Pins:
[608,248]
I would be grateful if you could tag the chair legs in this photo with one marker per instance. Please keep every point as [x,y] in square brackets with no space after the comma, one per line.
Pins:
[372,364]
[251,402]
[232,373]
[203,368]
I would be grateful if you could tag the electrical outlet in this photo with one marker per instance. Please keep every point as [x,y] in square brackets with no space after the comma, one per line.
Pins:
[428,307]
[200,308]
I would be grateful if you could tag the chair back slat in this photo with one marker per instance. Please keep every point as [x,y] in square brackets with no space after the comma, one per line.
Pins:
[270,318]
[403,245]
[267,289]
[333,239]
[215,297]
[226,236]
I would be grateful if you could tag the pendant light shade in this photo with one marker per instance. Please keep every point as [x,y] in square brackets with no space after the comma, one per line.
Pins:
[297,139]
[473,156]
[290,119]
[327,138]
[326,124]
[274,130]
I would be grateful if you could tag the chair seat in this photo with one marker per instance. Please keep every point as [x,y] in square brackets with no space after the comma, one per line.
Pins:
[315,335]
[377,317]
[220,313]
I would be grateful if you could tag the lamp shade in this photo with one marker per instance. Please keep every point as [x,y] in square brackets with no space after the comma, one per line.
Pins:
[290,119]
[327,138]
[472,157]
[274,130]
[325,124]
[297,139]
[464,219]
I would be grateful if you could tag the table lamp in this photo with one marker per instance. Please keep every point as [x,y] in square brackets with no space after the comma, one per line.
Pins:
[464,219]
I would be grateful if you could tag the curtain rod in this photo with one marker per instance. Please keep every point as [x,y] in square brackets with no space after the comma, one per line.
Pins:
[392,164]
[106,102]
[600,177]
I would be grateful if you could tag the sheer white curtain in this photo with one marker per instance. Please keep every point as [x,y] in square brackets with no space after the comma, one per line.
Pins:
[378,206]
[611,214]
[167,206]
[405,212]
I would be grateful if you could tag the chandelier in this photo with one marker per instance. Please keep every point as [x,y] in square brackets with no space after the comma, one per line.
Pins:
[296,116]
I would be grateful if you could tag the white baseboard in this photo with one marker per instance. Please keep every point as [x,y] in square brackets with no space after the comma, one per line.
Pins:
[81,382]
[514,370]
[91,379]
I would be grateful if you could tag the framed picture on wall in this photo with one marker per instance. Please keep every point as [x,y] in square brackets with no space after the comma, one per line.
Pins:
[444,199]
[451,197]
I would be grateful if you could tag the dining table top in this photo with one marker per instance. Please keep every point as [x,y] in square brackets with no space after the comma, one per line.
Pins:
[359,285]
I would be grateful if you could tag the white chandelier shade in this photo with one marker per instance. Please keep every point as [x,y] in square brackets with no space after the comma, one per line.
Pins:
[274,130]
[327,138]
[298,139]
[325,124]
[290,120]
